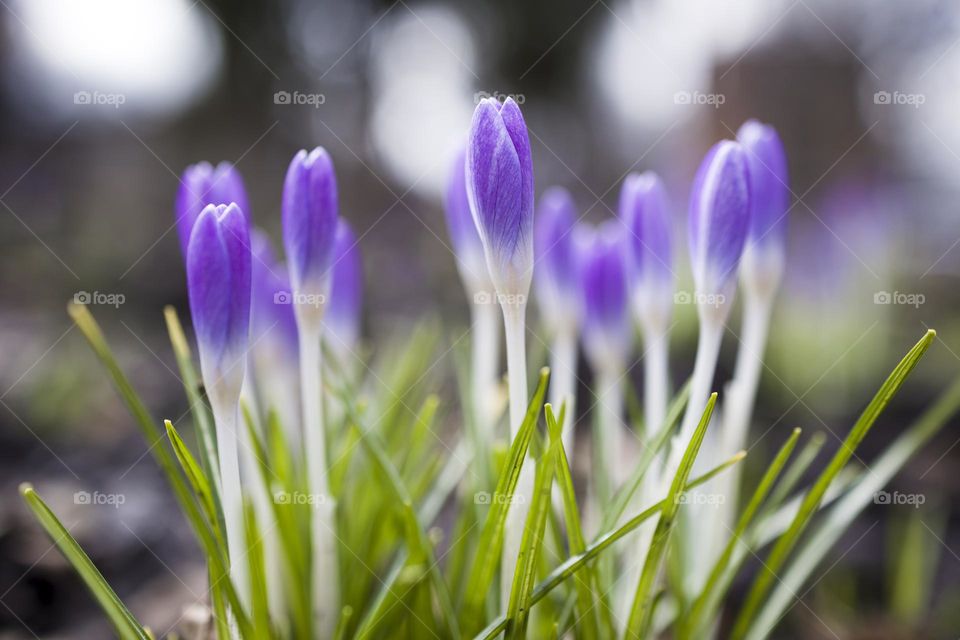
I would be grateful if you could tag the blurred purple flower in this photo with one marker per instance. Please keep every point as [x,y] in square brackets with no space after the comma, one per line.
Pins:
[602,266]
[719,216]
[203,184]
[463,230]
[556,272]
[769,186]
[342,320]
[499,175]
[309,211]
[219,279]
[271,318]
[645,212]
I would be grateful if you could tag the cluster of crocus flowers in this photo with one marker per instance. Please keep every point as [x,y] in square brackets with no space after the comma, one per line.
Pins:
[246,305]
[591,282]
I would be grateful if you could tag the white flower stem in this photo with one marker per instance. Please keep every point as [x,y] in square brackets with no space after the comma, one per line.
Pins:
[226,415]
[656,383]
[515,332]
[610,426]
[563,383]
[324,572]
[485,362]
[742,389]
[705,365]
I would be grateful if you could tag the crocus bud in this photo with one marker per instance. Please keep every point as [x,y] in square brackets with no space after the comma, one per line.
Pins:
[645,212]
[204,184]
[271,318]
[556,272]
[309,211]
[342,321]
[602,266]
[719,220]
[463,231]
[218,278]
[499,175]
[763,255]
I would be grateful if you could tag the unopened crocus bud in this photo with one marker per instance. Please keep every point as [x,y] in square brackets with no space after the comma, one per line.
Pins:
[499,172]
[645,212]
[218,278]
[556,272]
[719,220]
[602,265]
[203,184]
[763,254]
[309,211]
[342,321]
[467,247]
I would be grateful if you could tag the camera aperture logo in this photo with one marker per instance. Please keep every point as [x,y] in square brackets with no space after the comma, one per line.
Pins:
[99,298]
[896,498]
[519,98]
[96,498]
[299,98]
[486,297]
[899,98]
[99,98]
[485,497]
[714,300]
[299,498]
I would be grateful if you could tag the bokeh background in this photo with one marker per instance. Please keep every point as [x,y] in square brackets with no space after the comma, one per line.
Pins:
[104,102]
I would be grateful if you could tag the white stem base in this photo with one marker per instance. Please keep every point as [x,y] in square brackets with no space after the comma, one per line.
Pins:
[563,385]
[485,363]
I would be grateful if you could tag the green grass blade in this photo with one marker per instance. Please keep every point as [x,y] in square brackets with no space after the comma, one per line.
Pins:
[847,508]
[487,559]
[572,565]
[259,607]
[712,592]
[641,612]
[778,556]
[121,618]
[200,483]
[524,575]
[795,471]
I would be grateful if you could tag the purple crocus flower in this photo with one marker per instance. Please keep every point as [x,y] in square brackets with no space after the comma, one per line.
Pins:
[271,319]
[342,321]
[719,217]
[499,173]
[556,272]
[603,267]
[763,255]
[645,212]
[203,184]
[463,230]
[219,279]
[309,211]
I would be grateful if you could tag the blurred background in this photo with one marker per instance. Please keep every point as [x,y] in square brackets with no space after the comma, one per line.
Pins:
[104,102]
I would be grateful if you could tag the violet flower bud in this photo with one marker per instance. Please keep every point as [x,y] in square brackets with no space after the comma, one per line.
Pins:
[463,231]
[719,220]
[219,280]
[645,211]
[556,272]
[342,320]
[763,255]
[499,176]
[203,184]
[272,321]
[309,211]
[602,265]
